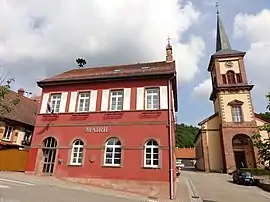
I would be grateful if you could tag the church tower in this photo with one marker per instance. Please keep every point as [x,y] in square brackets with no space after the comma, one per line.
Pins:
[232,102]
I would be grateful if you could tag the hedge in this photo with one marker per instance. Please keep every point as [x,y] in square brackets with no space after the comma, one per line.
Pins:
[256,171]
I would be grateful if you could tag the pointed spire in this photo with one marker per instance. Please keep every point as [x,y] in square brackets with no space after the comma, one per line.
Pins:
[169,56]
[222,42]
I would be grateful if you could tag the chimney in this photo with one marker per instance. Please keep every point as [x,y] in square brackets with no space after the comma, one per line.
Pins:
[21,92]
[169,56]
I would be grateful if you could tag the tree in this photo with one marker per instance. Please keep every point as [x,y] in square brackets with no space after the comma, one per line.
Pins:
[81,62]
[6,103]
[263,145]
[185,135]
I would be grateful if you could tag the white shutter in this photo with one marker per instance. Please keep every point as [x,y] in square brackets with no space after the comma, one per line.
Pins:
[44,102]
[72,102]
[20,137]
[105,100]
[163,97]
[127,94]
[63,102]
[140,98]
[93,101]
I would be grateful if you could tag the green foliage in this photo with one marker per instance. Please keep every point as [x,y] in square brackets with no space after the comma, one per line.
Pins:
[256,171]
[185,135]
[6,104]
[265,115]
[263,145]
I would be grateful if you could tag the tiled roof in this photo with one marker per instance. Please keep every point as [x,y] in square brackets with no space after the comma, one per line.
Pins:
[185,153]
[139,69]
[23,112]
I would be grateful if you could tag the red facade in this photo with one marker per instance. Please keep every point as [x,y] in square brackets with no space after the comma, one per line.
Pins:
[123,134]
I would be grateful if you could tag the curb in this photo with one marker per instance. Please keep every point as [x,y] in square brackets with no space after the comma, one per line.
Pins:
[193,192]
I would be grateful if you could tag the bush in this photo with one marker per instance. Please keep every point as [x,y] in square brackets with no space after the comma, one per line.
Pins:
[256,171]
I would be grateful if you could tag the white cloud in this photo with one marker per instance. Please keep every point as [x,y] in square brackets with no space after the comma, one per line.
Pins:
[42,38]
[203,90]
[255,29]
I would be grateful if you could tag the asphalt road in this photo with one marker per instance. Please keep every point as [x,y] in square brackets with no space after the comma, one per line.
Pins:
[31,190]
[215,187]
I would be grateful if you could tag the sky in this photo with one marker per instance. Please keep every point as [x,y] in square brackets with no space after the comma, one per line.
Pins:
[39,39]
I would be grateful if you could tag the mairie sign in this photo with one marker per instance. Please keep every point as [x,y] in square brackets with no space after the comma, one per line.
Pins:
[97,129]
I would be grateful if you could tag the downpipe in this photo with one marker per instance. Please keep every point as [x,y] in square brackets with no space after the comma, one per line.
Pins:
[170,141]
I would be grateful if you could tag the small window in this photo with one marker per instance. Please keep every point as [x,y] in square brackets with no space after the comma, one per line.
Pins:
[151,154]
[116,100]
[152,98]
[224,79]
[231,77]
[8,133]
[112,152]
[237,114]
[238,78]
[77,153]
[84,102]
[55,102]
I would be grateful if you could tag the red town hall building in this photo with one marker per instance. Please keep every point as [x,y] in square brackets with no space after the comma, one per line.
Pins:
[109,125]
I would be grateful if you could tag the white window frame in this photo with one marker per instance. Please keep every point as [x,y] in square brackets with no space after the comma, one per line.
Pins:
[113,147]
[55,102]
[84,99]
[150,94]
[117,96]
[79,150]
[237,115]
[8,133]
[151,147]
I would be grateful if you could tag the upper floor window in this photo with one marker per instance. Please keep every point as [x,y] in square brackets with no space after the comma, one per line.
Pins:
[8,133]
[113,152]
[151,154]
[77,153]
[224,79]
[55,102]
[231,77]
[237,113]
[116,100]
[152,98]
[238,78]
[84,102]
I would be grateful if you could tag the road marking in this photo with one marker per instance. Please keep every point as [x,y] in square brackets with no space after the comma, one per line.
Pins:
[265,194]
[16,182]
[4,186]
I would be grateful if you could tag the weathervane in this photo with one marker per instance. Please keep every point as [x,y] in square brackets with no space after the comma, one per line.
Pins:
[217,6]
[169,40]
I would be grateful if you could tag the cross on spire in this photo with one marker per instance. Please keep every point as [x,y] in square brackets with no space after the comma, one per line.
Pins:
[169,40]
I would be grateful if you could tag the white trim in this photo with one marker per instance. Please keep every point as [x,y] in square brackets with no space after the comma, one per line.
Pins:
[152,94]
[139,98]
[117,97]
[55,100]
[72,102]
[127,95]
[163,97]
[63,102]
[93,101]
[105,100]
[43,108]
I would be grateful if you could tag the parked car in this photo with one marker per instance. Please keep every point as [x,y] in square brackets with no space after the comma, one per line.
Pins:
[243,177]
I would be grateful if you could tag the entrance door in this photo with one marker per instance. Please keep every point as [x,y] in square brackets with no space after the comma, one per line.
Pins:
[240,156]
[49,154]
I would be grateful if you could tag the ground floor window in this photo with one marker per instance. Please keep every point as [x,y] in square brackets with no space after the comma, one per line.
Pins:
[151,154]
[112,152]
[77,153]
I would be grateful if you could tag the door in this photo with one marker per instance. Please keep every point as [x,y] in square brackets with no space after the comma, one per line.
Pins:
[240,157]
[49,154]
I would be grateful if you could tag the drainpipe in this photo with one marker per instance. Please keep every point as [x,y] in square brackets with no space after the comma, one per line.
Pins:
[170,141]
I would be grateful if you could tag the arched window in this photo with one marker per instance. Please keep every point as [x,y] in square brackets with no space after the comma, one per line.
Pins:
[112,152]
[151,154]
[231,77]
[77,153]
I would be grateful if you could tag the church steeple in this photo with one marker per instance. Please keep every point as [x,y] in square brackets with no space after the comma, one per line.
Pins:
[222,42]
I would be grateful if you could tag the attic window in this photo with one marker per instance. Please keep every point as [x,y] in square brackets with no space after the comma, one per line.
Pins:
[118,70]
[145,67]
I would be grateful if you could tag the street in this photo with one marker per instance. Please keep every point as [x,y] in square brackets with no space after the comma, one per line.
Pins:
[17,187]
[215,187]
